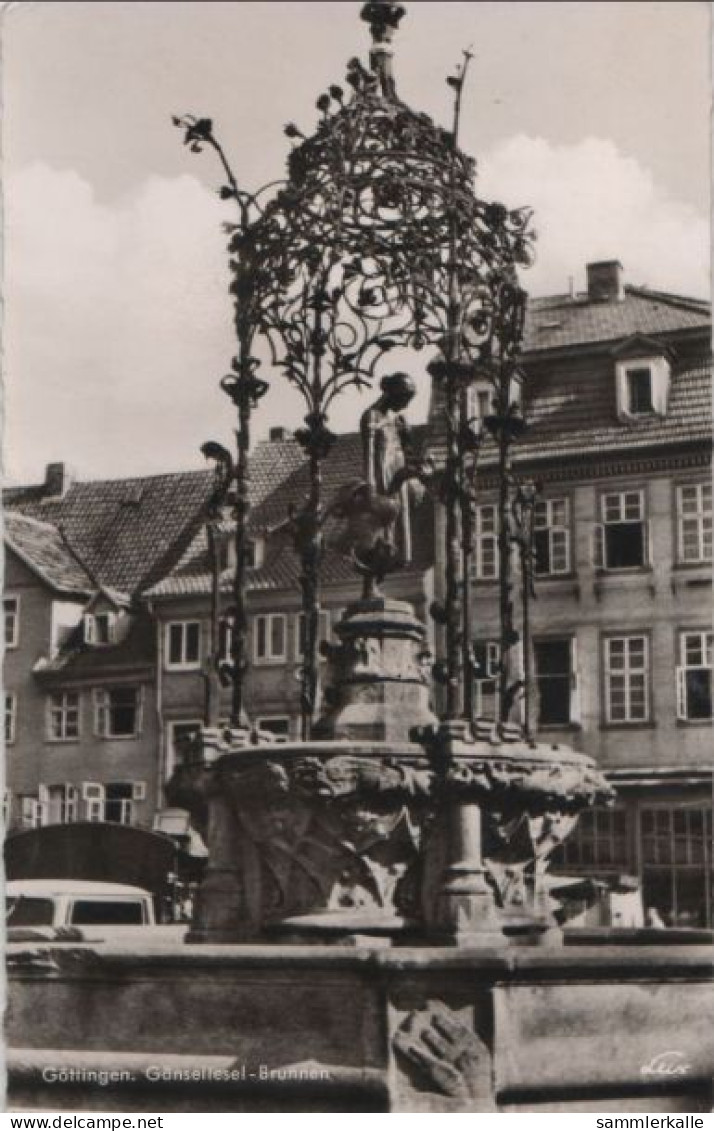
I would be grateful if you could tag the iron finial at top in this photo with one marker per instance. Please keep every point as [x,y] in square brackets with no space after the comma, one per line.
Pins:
[383,17]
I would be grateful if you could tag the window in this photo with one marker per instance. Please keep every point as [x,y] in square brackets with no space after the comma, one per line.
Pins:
[479,402]
[183,644]
[30,911]
[254,553]
[626,679]
[99,628]
[598,841]
[119,803]
[676,863]
[6,807]
[486,654]
[117,712]
[694,676]
[486,542]
[31,812]
[694,515]
[62,804]
[10,717]
[639,391]
[279,725]
[107,913]
[621,537]
[269,638]
[557,682]
[113,802]
[93,797]
[323,633]
[642,386]
[551,536]
[11,606]
[63,716]
[179,735]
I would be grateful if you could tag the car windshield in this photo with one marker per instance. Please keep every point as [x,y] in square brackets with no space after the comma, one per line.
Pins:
[28,911]
[106,912]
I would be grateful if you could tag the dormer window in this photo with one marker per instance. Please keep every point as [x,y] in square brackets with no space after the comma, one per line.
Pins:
[642,379]
[99,628]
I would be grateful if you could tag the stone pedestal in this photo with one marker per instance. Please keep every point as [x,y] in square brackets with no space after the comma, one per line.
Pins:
[379,676]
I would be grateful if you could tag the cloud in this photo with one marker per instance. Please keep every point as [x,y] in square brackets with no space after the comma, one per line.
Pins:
[118,324]
[591,202]
[118,320]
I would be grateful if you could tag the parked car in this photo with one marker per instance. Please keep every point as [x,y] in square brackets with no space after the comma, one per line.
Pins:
[76,910]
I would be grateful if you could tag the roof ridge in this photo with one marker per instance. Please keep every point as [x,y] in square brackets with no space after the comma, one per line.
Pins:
[685,302]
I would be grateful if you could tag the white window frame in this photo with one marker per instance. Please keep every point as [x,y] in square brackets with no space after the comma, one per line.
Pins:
[659,371]
[31,812]
[93,798]
[627,672]
[11,617]
[171,726]
[127,811]
[185,663]
[274,719]
[705,639]
[555,530]
[600,536]
[68,802]
[10,718]
[90,622]
[269,657]
[61,712]
[102,711]
[699,517]
[323,633]
[482,537]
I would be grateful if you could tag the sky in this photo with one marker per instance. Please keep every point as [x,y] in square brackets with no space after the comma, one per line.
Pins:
[117,318]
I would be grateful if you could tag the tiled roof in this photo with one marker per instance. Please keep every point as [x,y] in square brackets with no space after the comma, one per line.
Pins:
[571,416]
[122,529]
[281,567]
[128,532]
[559,321]
[41,546]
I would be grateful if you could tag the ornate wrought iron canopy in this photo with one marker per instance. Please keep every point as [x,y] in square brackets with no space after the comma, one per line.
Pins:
[375,240]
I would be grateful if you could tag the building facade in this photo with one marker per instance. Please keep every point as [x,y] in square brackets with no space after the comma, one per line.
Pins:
[617,400]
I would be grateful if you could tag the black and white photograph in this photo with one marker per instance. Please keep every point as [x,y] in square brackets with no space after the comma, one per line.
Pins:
[357,559]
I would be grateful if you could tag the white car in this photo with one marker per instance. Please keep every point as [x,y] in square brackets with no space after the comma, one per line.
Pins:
[81,909]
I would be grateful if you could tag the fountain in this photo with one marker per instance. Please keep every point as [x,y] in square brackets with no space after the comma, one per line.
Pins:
[376,929]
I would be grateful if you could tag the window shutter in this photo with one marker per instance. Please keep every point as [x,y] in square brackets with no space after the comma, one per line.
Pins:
[43,804]
[88,628]
[138,791]
[681,678]
[29,811]
[599,546]
[139,711]
[71,802]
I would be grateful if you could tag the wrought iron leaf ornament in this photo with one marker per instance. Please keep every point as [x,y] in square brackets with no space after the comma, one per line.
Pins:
[375,240]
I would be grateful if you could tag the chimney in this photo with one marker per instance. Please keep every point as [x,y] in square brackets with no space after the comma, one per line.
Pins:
[277,434]
[58,480]
[605,282]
